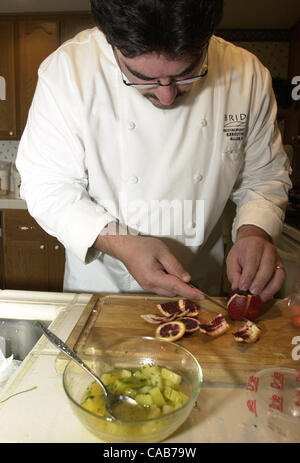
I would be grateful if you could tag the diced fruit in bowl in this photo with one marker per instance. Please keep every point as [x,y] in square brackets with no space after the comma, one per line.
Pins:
[152,387]
[163,378]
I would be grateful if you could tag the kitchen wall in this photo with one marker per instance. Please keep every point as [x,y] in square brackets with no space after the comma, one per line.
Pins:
[8,153]
[8,150]
[274,55]
[271,46]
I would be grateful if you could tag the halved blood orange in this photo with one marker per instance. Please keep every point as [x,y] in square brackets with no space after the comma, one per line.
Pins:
[189,307]
[215,327]
[191,324]
[156,319]
[169,308]
[170,331]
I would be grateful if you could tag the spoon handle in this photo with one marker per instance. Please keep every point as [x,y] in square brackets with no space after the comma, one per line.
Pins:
[69,352]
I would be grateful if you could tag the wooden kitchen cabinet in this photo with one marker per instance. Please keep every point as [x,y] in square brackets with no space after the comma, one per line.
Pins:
[56,264]
[33,260]
[36,39]
[1,256]
[25,41]
[8,123]
[72,24]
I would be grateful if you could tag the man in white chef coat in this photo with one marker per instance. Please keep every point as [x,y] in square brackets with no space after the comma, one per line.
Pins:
[140,131]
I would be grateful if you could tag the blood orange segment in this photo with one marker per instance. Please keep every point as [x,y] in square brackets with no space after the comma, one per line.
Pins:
[189,307]
[248,334]
[156,319]
[170,331]
[169,308]
[217,326]
[191,324]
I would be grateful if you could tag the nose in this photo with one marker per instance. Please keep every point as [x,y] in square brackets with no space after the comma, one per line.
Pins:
[166,95]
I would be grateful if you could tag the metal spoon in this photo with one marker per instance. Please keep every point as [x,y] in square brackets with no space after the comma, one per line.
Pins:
[111,399]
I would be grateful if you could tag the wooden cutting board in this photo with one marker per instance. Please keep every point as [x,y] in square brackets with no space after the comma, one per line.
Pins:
[222,359]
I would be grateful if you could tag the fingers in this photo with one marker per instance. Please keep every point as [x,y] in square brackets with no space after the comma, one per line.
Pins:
[265,271]
[251,265]
[274,285]
[176,277]
[173,267]
[173,286]
[234,271]
[156,269]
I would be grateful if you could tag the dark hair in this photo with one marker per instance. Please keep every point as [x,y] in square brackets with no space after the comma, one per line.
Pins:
[173,27]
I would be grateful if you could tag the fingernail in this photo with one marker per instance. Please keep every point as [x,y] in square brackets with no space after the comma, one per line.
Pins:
[199,297]
[254,290]
[186,277]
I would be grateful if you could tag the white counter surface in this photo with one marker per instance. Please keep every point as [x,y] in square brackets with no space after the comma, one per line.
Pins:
[11,202]
[43,414]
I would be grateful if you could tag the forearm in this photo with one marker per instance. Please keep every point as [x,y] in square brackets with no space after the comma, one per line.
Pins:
[252,230]
[113,240]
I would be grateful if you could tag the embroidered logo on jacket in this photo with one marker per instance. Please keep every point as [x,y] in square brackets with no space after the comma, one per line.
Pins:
[235,126]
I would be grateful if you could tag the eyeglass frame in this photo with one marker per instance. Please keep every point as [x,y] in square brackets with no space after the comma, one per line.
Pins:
[173,81]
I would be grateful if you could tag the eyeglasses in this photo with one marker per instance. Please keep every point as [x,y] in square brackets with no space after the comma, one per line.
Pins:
[203,73]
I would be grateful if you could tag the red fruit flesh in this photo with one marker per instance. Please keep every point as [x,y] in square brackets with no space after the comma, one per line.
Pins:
[156,319]
[169,308]
[170,331]
[244,305]
[189,307]
[248,334]
[215,327]
[191,324]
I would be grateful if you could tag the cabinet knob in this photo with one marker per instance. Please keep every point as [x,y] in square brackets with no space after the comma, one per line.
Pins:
[25,228]
[42,246]
[56,247]
[11,134]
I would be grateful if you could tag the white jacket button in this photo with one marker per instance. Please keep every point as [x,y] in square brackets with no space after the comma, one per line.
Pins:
[230,155]
[131,125]
[203,123]
[133,179]
[198,178]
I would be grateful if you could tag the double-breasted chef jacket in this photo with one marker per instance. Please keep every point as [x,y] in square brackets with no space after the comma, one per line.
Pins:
[94,148]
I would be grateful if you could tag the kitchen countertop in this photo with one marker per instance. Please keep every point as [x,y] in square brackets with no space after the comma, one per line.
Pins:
[40,415]
[11,202]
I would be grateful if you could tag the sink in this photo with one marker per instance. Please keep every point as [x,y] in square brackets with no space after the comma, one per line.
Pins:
[20,336]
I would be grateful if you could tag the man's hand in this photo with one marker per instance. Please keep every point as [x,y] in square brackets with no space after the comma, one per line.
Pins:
[252,262]
[149,261]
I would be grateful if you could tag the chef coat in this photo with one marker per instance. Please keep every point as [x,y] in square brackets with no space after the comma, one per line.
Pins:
[94,148]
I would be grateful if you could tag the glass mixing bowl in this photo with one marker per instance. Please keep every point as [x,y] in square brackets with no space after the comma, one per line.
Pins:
[132,353]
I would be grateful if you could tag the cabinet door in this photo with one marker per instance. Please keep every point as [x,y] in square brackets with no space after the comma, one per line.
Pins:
[26,265]
[56,256]
[8,123]
[37,39]
[20,226]
[73,24]
[1,264]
